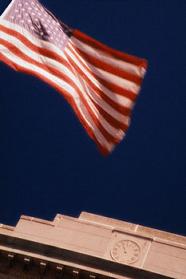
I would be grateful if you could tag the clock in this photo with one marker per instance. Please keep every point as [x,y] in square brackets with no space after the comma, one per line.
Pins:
[126,251]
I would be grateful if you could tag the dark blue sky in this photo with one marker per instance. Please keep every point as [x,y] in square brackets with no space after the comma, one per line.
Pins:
[48,164]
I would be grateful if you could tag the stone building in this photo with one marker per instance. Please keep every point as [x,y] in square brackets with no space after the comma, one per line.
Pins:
[90,246]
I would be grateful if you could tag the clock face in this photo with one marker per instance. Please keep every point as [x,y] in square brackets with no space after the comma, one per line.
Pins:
[126,251]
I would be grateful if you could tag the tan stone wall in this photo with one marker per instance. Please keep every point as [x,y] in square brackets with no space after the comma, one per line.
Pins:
[108,239]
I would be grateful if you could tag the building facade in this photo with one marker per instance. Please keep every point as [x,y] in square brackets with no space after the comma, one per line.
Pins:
[90,246]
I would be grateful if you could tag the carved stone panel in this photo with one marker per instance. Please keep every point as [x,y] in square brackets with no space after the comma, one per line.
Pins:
[126,251]
[128,248]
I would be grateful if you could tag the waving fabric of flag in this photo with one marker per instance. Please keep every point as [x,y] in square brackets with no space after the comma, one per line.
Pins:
[101,84]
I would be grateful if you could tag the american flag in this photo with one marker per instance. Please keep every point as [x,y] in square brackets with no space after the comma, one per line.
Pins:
[101,84]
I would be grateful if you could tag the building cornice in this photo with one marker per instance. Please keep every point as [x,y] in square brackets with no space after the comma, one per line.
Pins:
[90,246]
[23,253]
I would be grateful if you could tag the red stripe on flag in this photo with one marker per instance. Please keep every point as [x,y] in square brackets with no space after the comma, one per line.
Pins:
[112,52]
[121,91]
[39,50]
[110,138]
[109,68]
[65,94]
